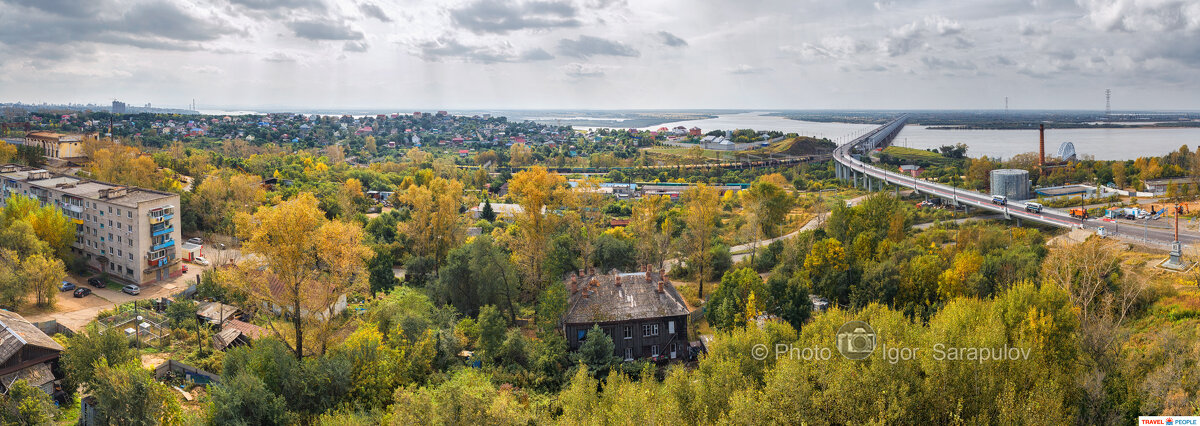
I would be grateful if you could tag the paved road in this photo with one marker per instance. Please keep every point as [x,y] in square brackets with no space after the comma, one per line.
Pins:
[75,313]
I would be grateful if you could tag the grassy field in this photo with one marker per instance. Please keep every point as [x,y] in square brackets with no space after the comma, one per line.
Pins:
[709,154]
[919,156]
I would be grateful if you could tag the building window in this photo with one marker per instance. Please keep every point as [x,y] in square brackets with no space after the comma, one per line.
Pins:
[654,350]
[628,332]
[670,327]
[628,354]
[649,329]
[673,349]
[581,334]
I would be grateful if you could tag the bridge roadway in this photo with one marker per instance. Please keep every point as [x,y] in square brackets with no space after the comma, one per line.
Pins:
[850,168]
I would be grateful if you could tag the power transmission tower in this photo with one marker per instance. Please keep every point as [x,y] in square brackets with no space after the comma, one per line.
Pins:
[1108,104]
[1006,105]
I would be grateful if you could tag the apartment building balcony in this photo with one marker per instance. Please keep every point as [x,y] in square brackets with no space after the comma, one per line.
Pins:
[163,245]
[162,231]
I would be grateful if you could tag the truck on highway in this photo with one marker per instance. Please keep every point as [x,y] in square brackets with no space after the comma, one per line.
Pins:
[1033,207]
[1079,213]
[999,200]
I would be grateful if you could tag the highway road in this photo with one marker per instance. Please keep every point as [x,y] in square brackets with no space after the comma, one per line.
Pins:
[851,168]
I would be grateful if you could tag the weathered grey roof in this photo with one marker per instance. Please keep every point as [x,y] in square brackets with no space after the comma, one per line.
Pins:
[225,338]
[36,375]
[636,297]
[216,311]
[16,332]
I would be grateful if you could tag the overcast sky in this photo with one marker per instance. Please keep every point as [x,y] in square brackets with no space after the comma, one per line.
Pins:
[604,54]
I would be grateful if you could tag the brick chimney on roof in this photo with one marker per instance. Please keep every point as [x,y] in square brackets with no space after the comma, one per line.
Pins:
[617,281]
[574,285]
[660,286]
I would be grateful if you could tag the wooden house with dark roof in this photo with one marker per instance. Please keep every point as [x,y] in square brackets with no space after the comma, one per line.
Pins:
[26,353]
[641,311]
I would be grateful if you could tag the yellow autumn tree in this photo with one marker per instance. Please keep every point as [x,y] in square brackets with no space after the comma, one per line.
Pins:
[226,193]
[299,266]
[701,205]
[644,224]
[960,280]
[520,155]
[434,225]
[537,191]
[587,205]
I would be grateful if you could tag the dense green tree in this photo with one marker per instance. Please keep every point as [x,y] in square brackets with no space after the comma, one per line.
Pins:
[27,405]
[245,400]
[476,274]
[492,332]
[382,278]
[596,352]
[126,394]
[85,349]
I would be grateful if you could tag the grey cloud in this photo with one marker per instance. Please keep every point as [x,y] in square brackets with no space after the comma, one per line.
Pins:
[1004,60]
[155,25]
[451,48]
[914,35]
[495,17]
[938,63]
[537,54]
[372,10]
[586,46]
[169,21]
[744,69]
[324,30]
[579,70]
[280,4]
[832,47]
[355,46]
[69,8]
[671,39]
[280,57]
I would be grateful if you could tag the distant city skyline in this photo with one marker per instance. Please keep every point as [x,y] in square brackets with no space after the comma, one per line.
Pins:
[603,54]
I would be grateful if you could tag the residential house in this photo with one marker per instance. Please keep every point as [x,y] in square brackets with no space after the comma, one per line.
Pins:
[641,311]
[26,353]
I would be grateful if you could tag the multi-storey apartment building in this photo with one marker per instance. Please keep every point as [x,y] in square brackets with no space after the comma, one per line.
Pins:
[130,233]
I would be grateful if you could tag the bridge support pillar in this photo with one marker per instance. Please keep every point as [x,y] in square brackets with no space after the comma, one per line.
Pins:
[1018,222]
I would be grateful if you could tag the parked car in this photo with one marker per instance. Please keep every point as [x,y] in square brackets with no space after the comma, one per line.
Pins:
[196,241]
[184,269]
[200,261]
[131,289]
[95,282]
[82,291]
[66,286]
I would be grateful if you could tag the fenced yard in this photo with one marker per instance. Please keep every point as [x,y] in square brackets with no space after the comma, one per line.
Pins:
[140,324]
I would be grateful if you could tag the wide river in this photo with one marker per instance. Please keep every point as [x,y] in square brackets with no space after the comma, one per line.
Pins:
[1103,144]
[762,121]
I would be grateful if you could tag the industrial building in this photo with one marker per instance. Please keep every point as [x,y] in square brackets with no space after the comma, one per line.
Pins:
[56,145]
[129,233]
[1011,183]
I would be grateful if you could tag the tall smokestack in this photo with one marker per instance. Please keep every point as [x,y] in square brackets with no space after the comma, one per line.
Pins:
[1041,145]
